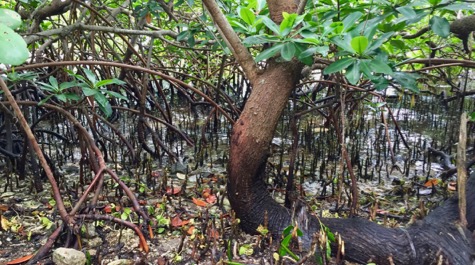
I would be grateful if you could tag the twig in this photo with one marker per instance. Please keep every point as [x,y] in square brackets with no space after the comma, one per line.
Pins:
[462,170]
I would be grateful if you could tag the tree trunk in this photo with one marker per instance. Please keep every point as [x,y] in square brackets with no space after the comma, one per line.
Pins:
[249,150]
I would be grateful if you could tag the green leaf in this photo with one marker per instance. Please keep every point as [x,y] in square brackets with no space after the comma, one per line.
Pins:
[72,96]
[378,42]
[66,85]
[247,15]
[43,101]
[62,97]
[323,50]
[287,231]
[10,18]
[353,73]
[365,69]
[107,82]
[407,12]
[90,76]
[314,41]
[440,26]
[183,35]
[15,45]
[285,250]
[458,6]
[407,80]
[116,95]
[258,39]
[104,105]
[472,116]
[246,249]
[350,20]
[268,53]
[271,25]
[89,91]
[54,83]
[359,44]
[434,2]
[401,45]
[338,65]
[287,23]
[48,87]
[381,67]
[343,42]
[380,83]
[288,51]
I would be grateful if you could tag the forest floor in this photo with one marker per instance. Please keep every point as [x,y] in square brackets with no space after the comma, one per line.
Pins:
[191,221]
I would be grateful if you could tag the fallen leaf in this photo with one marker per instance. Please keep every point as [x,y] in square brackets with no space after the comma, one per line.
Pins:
[211,199]
[199,202]
[20,260]
[190,230]
[213,233]
[177,222]
[4,223]
[431,182]
[206,192]
[173,190]
[107,209]
[3,207]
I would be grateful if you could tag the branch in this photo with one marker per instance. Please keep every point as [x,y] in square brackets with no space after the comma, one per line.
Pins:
[64,31]
[243,56]
[452,62]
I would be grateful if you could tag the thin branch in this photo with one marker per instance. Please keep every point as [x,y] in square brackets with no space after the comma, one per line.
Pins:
[131,67]
[31,138]
[243,56]
[66,30]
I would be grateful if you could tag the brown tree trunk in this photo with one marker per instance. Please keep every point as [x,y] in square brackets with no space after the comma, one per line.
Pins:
[250,141]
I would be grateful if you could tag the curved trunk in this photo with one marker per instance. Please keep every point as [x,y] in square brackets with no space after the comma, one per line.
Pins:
[250,141]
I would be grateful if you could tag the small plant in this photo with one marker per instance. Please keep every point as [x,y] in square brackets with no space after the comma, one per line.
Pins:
[95,89]
[59,91]
[289,233]
[325,239]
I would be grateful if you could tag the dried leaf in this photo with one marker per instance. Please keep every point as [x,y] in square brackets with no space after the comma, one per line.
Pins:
[148,18]
[177,222]
[173,190]
[20,260]
[206,192]
[211,199]
[190,230]
[213,233]
[199,202]
[431,182]
[107,209]
[3,207]
[4,223]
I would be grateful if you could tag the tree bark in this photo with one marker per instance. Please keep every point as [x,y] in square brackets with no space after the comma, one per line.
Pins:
[250,141]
